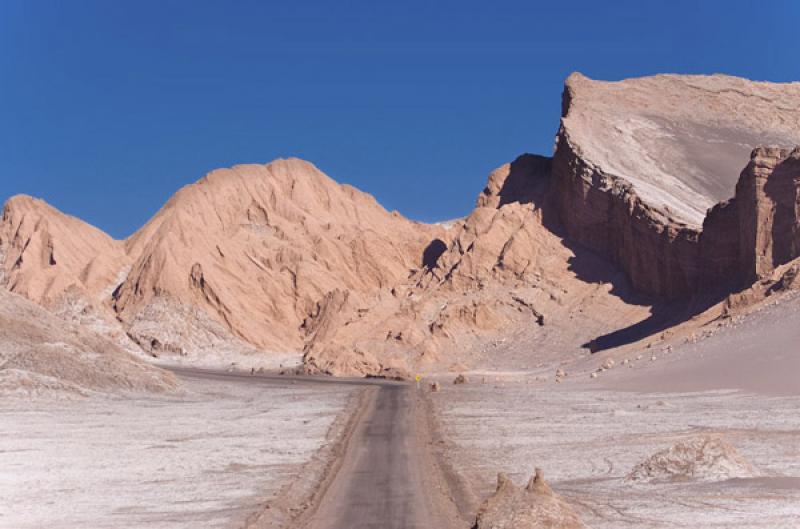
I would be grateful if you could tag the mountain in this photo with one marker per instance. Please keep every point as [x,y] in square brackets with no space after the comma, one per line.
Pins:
[257,248]
[669,202]
[506,293]
[239,262]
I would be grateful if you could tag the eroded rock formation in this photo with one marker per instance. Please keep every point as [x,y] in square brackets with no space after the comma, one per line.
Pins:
[279,258]
[46,255]
[767,203]
[639,162]
[703,458]
[535,506]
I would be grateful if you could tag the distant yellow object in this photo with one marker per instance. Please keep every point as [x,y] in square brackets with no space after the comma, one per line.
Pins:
[418,378]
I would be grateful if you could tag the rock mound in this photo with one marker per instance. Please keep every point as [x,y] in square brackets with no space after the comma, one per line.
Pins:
[703,458]
[534,507]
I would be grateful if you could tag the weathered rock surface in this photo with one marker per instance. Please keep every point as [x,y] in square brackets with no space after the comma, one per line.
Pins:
[703,458]
[639,162]
[679,140]
[259,247]
[499,271]
[248,259]
[748,236]
[52,258]
[42,355]
[768,206]
[535,506]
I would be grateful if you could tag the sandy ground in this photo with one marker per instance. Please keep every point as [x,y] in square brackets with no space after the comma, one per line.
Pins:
[588,441]
[209,457]
[589,433]
[759,353]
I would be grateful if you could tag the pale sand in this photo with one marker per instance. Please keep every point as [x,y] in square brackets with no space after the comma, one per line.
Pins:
[206,458]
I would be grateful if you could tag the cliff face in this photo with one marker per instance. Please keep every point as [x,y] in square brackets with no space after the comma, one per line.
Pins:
[768,207]
[639,163]
[605,214]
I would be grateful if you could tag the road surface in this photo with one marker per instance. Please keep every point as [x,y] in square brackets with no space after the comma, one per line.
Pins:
[387,478]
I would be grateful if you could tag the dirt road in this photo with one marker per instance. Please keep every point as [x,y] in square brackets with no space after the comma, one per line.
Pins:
[388,478]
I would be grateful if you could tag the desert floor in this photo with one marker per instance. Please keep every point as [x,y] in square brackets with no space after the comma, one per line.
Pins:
[209,457]
[588,441]
[587,434]
[236,450]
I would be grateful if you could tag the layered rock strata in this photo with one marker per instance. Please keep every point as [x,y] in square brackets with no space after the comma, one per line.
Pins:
[639,163]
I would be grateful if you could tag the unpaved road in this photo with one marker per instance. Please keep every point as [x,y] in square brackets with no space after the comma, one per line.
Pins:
[388,477]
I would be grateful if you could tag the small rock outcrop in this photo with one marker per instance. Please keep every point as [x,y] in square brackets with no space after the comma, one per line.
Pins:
[535,506]
[704,458]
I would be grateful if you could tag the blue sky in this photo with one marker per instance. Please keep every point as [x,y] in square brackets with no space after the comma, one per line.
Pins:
[107,108]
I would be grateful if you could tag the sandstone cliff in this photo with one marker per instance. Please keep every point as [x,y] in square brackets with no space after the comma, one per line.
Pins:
[767,204]
[639,162]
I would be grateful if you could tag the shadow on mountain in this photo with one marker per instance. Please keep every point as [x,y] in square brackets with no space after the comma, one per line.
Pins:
[662,317]
[527,180]
[432,253]
[592,268]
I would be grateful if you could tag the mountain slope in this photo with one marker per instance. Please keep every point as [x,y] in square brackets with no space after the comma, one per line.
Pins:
[638,163]
[41,354]
[45,254]
[257,248]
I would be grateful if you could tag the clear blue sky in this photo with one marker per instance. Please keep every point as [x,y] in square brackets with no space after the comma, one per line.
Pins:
[108,107]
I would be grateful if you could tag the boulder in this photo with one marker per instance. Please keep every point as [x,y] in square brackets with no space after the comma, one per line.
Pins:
[702,458]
